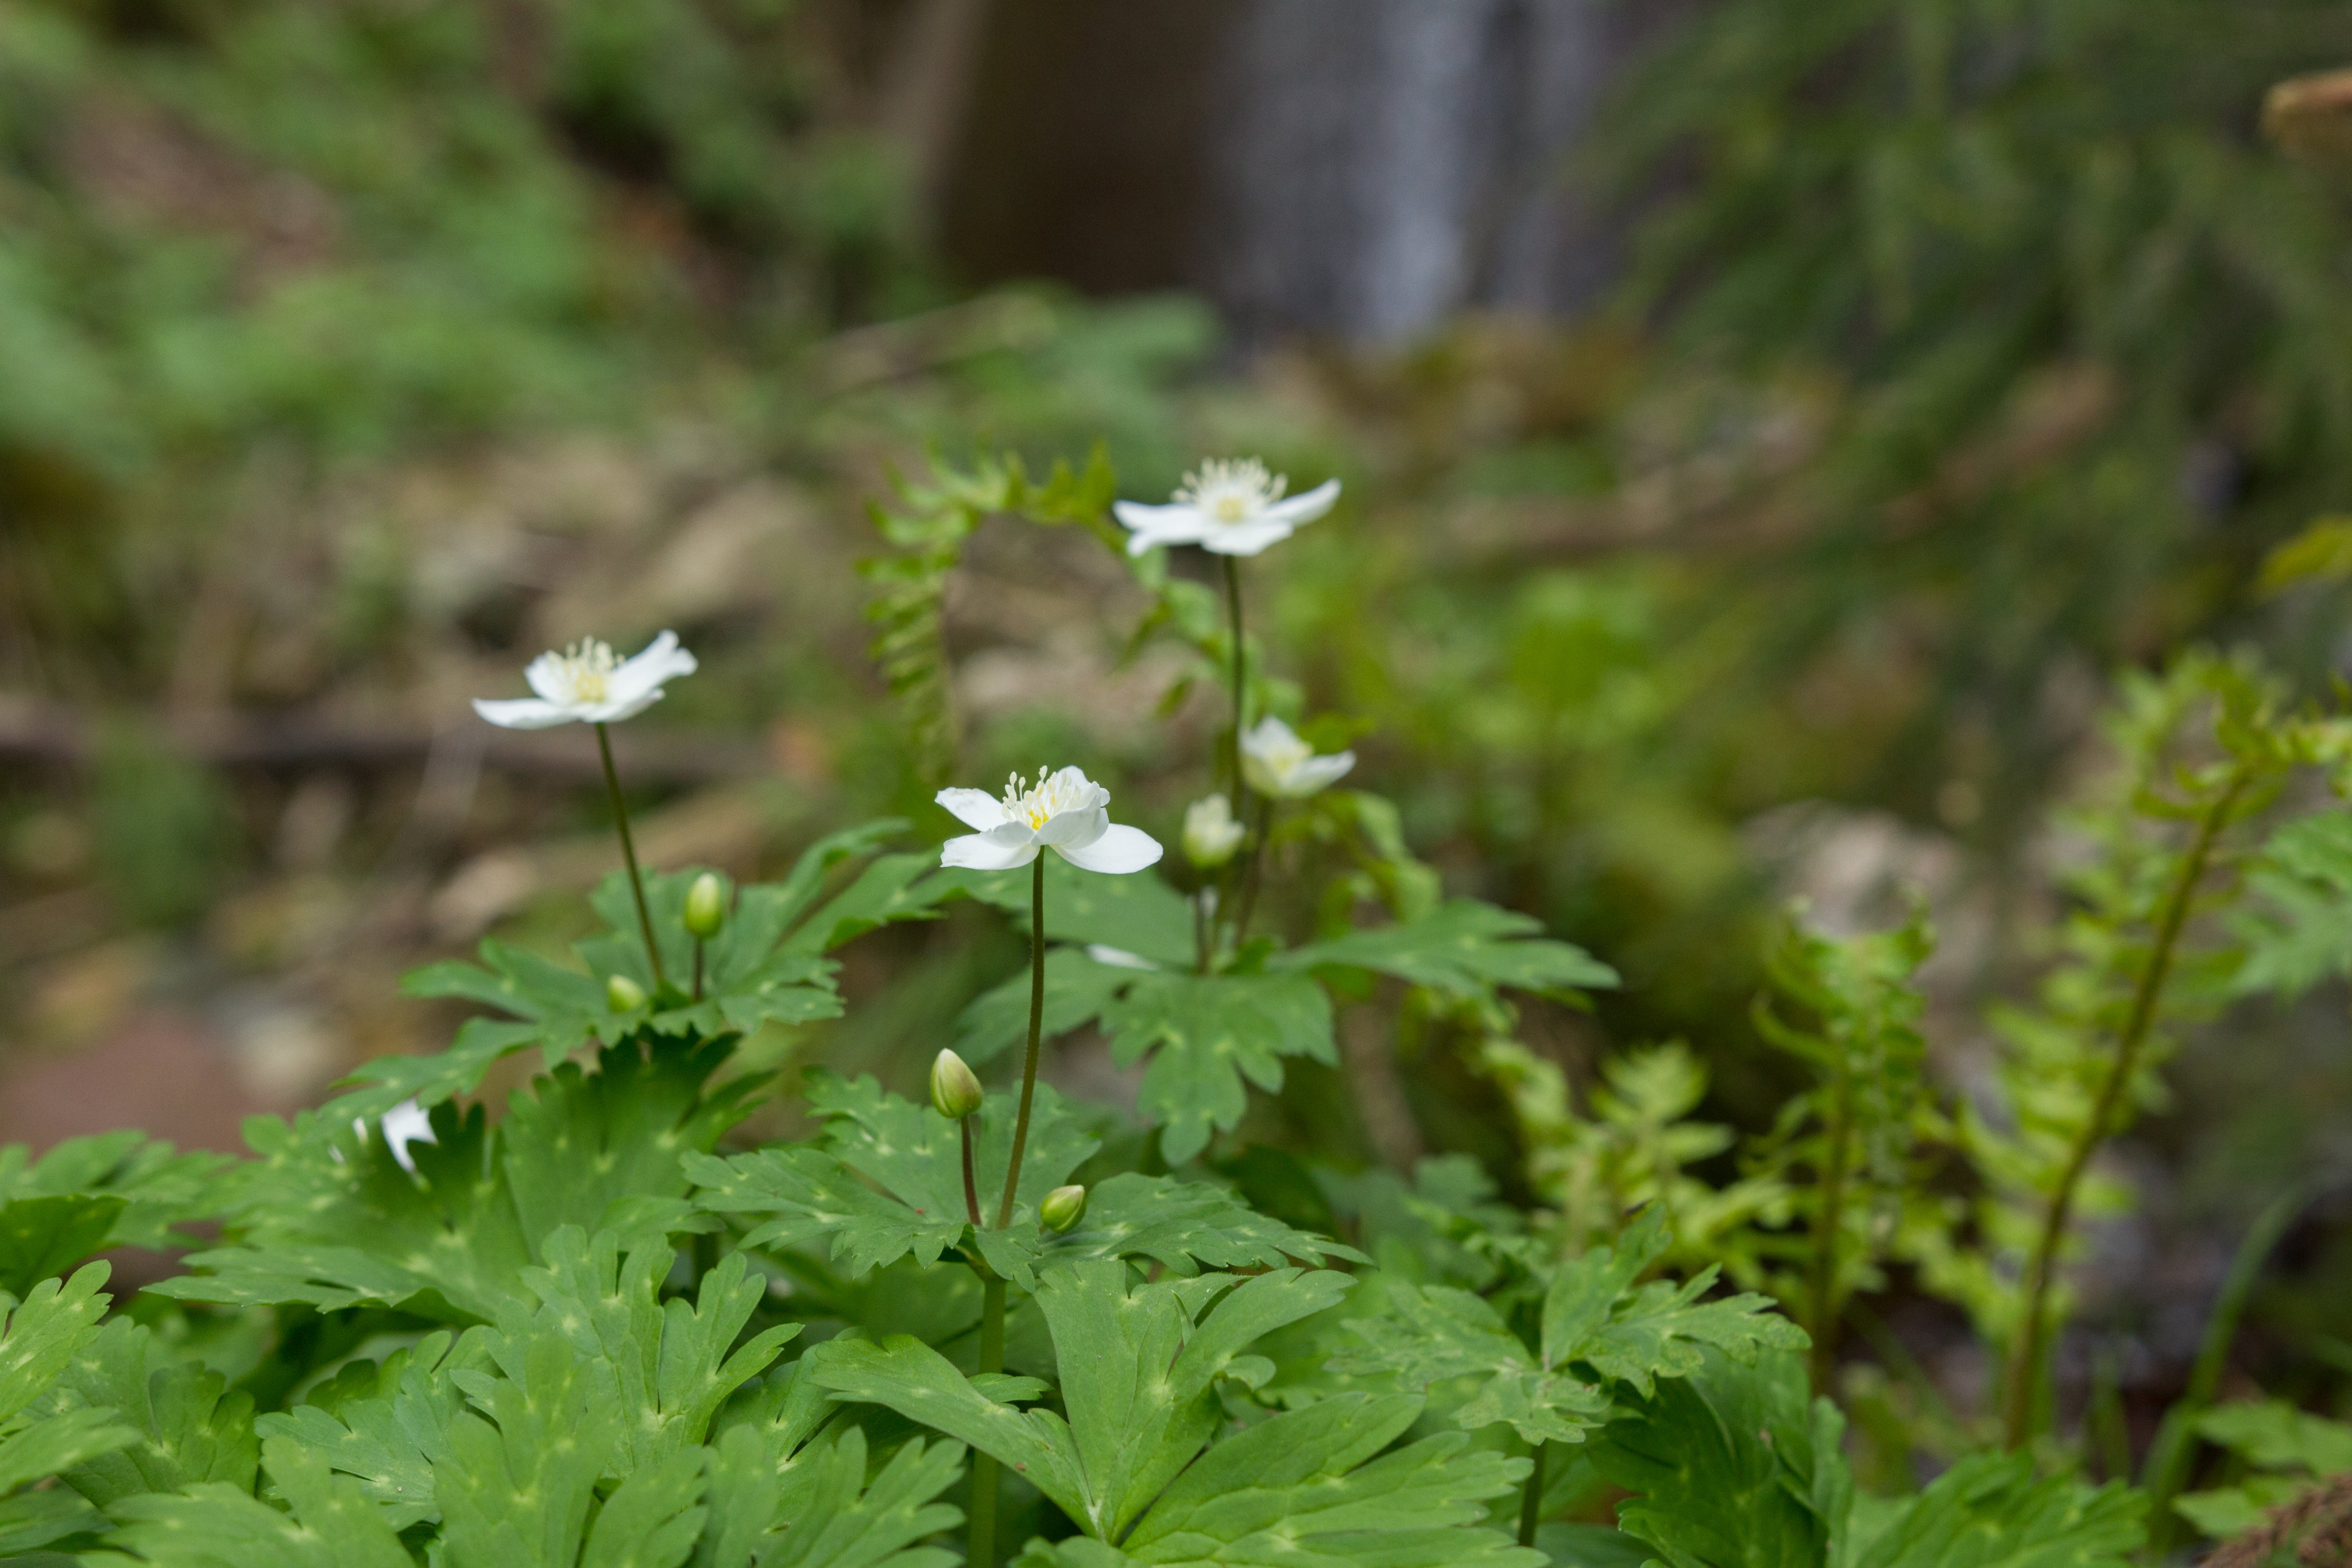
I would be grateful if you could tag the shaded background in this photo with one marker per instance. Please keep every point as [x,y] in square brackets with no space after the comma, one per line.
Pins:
[1768,425]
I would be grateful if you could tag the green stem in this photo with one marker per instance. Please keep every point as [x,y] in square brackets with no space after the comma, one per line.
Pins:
[697,968]
[629,854]
[981,1551]
[970,1184]
[2166,1469]
[1531,1500]
[1233,624]
[2024,1370]
[1821,1319]
[1036,1032]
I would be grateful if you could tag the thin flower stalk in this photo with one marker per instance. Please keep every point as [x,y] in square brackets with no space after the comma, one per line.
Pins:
[629,856]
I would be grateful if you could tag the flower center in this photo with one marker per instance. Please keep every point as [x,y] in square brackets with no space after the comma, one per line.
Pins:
[1231,492]
[588,667]
[1037,804]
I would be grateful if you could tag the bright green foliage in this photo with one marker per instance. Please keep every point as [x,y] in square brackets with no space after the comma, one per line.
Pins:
[767,964]
[1208,1036]
[121,1189]
[2290,1451]
[886,1182]
[1462,946]
[1730,1469]
[1851,1137]
[1595,1329]
[40,1436]
[1634,1149]
[191,1426]
[1141,1364]
[328,1216]
[2297,929]
[329,1522]
[2081,1064]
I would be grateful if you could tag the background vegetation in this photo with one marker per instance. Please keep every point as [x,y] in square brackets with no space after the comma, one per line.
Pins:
[1968,357]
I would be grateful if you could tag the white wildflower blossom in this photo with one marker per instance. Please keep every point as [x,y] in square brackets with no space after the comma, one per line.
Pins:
[1212,833]
[405,1123]
[1065,811]
[588,683]
[1276,762]
[1227,508]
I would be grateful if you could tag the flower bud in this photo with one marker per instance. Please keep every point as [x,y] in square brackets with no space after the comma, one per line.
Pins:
[706,906]
[955,1092]
[1062,1208]
[1210,834]
[622,995]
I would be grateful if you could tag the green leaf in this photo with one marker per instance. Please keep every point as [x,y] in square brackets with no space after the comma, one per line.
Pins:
[827,1522]
[520,1469]
[766,964]
[886,1180]
[1077,989]
[387,1439]
[671,1359]
[2297,927]
[1990,1512]
[2293,1451]
[1655,1331]
[1138,914]
[1436,1333]
[1205,1034]
[1721,1465]
[329,1524]
[48,1332]
[1185,1226]
[1315,1482]
[160,1188]
[1462,947]
[1139,1367]
[43,1236]
[328,1217]
[190,1425]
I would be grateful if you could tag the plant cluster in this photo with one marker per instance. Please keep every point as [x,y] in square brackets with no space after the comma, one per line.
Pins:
[595,1331]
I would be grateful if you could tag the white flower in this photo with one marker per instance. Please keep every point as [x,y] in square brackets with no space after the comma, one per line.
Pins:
[1067,812]
[587,684]
[1210,834]
[1277,763]
[1112,958]
[1227,508]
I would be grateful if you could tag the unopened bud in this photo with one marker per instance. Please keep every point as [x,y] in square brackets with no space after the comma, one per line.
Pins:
[1210,834]
[622,995]
[706,906]
[955,1091]
[1062,1208]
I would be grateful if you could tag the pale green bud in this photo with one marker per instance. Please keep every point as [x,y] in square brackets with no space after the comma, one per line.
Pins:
[955,1091]
[1062,1208]
[1210,834]
[622,995]
[706,906]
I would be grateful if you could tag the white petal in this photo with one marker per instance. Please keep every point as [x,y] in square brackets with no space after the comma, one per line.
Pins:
[1120,849]
[616,709]
[1244,538]
[524,712]
[1268,735]
[972,808]
[1303,507]
[1157,526]
[403,1124]
[662,660]
[1317,773]
[545,675]
[1118,958]
[1076,829]
[977,851]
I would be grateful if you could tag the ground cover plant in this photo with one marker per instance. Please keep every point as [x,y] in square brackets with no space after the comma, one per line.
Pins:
[588,1326]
